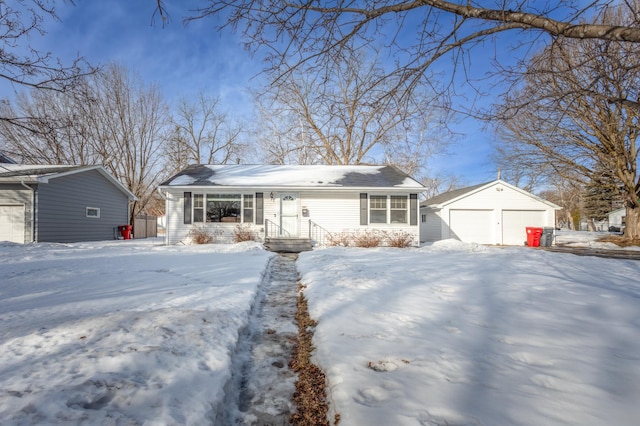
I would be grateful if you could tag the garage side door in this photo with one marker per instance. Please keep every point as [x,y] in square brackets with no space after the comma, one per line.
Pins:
[12,223]
[514,223]
[472,226]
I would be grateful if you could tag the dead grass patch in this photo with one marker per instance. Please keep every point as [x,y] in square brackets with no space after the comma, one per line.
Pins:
[310,396]
[619,240]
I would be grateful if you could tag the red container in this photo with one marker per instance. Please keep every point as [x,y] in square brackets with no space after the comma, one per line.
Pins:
[125,231]
[533,236]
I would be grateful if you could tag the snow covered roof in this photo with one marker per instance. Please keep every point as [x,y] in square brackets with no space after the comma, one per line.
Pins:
[41,173]
[448,197]
[293,176]
[32,171]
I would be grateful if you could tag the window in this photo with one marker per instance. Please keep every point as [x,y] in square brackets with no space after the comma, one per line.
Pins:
[247,212]
[378,209]
[223,207]
[398,209]
[216,208]
[424,218]
[198,207]
[93,212]
[388,209]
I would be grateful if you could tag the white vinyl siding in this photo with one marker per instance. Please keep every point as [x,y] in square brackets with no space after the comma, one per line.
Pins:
[333,211]
[431,228]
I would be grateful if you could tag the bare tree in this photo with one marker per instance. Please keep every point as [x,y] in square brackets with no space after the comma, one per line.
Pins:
[114,120]
[23,65]
[202,134]
[566,114]
[415,33]
[338,115]
[129,119]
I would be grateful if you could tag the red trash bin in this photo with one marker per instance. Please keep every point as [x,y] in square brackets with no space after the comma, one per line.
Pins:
[533,236]
[125,231]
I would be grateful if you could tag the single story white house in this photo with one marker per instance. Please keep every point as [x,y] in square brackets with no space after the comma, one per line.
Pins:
[616,218]
[60,203]
[490,213]
[290,201]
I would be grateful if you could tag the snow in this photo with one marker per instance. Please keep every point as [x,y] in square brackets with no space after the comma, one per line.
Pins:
[588,239]
[135,332]
[461,334]
[121,332]
[285,176]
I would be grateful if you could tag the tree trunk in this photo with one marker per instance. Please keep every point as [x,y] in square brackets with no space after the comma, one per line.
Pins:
[632,222]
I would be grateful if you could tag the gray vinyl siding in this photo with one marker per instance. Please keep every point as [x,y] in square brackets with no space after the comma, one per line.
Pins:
[62,207]
[16,194]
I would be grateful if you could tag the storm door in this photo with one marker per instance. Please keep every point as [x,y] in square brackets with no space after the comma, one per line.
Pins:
[289,215]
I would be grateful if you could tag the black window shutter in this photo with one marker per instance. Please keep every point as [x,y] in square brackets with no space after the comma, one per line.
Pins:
[259,208]
[187,208]
[364,216]
[413,209]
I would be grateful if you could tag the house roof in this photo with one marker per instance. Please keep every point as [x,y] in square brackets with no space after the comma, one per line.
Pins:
[449,197]
[293,176]
[42,173]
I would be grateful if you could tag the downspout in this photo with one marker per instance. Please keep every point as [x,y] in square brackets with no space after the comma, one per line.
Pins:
[166,217]
[34,237]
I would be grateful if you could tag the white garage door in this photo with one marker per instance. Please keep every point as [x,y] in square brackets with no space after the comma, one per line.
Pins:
[514,223]
[12,223]
[472,226]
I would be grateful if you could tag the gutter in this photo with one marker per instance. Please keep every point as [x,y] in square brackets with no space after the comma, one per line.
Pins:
[33,211]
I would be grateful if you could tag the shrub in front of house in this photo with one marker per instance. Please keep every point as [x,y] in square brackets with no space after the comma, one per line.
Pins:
[399,239]
[368,238]
[339,239]
[201,235]
[243,233]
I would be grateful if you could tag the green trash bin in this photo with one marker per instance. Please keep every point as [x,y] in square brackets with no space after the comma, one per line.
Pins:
[546,239]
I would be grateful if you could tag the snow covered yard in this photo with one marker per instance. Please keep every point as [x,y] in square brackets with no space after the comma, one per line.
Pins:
[122,332]
[458,334]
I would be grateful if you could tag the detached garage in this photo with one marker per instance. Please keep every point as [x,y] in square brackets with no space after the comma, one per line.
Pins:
[46,203]
[490,213]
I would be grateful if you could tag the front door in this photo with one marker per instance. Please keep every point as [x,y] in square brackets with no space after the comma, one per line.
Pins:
[289,214]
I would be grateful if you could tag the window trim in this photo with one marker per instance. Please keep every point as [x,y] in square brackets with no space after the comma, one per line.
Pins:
[255,196]
[96,209]
[407,209]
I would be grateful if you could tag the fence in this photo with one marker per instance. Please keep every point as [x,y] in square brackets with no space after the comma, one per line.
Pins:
[145,226]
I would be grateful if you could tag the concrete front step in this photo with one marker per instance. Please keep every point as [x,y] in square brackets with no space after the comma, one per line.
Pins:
[288,245]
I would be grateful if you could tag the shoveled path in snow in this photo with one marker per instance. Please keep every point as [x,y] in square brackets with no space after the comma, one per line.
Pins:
[265,384]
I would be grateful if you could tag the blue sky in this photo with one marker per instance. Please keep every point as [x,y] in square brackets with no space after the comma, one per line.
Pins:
[183,60]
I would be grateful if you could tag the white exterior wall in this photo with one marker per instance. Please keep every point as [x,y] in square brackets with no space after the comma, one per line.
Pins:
[495,198]
[431,229]
[177,231]
[334,211]
[615,217]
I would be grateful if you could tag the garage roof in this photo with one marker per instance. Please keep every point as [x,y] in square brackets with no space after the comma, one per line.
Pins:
[441,200]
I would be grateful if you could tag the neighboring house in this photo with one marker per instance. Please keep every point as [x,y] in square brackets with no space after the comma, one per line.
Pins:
[490,213]
[616,219]
[292,202]
[47,203]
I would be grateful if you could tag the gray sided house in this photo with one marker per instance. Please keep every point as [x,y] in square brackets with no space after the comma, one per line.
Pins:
[48,203]
[290,202]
